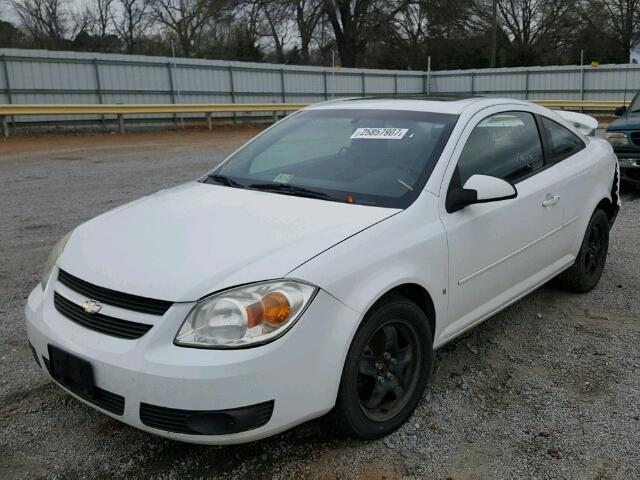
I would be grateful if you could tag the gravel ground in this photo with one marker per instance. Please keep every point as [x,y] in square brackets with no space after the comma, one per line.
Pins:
[548,388]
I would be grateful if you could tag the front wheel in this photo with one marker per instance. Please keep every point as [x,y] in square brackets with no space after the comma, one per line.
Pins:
[387,368]
[585,273]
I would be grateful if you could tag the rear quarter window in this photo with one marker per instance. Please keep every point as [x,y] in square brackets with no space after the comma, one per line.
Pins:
[562,142]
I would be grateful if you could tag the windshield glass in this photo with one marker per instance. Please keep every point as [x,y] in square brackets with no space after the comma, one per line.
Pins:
[368,157]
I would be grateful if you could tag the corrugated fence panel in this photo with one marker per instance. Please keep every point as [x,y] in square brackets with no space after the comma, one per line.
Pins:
[411,84]
[378,85]
[37,76]
[451,82]
[142,78]
[301,83]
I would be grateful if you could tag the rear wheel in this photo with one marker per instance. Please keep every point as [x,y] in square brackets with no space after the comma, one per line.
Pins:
[386,370]
[585,273]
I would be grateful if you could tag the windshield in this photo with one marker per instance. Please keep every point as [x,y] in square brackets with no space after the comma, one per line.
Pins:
[367,157]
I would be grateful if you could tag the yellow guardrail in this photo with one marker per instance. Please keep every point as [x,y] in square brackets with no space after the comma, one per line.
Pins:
[120,111]
[82,109]
[583,104]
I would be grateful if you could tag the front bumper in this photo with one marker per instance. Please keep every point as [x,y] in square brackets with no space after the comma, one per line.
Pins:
[297,374]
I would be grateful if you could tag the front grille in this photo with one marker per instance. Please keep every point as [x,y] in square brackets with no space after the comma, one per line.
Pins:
[104,399]
[635,138]
[206,422]
[115,327]
[111,297]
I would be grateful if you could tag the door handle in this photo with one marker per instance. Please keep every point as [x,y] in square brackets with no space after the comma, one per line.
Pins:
[550,200]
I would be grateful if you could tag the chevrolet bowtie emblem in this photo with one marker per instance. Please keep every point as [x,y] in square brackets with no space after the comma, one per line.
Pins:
[91,306]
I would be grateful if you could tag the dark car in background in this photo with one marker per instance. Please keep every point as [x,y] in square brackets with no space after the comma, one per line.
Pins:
[624,135]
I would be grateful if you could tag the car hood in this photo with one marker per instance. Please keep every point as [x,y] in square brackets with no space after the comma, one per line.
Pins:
[183,243]
[630,121]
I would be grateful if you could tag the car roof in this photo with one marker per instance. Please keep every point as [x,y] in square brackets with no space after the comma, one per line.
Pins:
[424,103]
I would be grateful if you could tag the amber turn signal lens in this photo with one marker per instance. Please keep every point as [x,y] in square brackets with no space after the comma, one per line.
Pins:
[273,309]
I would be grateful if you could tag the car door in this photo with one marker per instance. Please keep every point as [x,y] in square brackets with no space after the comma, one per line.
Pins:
[577,175]
[498,251]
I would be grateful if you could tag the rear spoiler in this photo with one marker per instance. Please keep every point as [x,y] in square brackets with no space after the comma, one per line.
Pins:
[585,124]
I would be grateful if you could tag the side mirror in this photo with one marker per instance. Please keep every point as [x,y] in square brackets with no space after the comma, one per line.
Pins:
[620,111]
[479,189]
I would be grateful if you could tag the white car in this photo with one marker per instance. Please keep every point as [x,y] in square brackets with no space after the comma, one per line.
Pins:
[320,266]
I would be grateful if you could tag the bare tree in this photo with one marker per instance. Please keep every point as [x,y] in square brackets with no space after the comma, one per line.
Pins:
[186,19]
[131,22]
[307,14]
[277,14]
[102,16]
[44,20]
[620,17]
[349,19]
[412,24]
[95,20]
[532,23]
[354,22]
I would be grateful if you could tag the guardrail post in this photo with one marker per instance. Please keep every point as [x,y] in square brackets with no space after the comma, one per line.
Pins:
[364,86]
[473,82]
[7,83]
[395,84]
[581,83]
[326,89]
[429,75]
[283,89]
[173,91]
[209,122]
[282,86]
[5,126]
[526,84]
[121,122]
[96,70]
[233,90]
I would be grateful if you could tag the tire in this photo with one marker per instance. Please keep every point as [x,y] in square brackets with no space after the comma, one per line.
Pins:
[585,273]
[378,392]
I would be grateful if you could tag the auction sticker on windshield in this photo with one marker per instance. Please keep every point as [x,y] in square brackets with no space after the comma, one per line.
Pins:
[380,133]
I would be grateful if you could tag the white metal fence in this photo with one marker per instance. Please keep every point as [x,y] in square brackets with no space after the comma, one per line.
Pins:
[36,76]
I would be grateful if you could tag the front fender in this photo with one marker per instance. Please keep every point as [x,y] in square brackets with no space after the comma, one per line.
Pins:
[409,247]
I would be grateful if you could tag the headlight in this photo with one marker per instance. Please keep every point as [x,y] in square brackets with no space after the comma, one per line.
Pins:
[245,316]
[53,258]
[617,139]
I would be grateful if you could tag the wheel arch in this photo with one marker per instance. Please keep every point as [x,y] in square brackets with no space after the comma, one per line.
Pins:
[611,205]
[417,294]
[606,205]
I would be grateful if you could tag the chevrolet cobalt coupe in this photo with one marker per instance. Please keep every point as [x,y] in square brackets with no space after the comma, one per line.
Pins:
[319,267]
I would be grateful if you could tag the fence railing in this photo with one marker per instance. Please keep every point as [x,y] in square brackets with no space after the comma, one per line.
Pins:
[45,77]
[120,111]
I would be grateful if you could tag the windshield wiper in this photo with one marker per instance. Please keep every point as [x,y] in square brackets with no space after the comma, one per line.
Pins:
[226,181]
[289,190]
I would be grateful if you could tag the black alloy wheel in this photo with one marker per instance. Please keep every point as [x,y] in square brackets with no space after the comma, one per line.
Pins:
[595,249]
[386,370]
[585,273]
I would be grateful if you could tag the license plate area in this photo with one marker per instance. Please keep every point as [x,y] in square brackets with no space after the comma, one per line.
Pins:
[71,371]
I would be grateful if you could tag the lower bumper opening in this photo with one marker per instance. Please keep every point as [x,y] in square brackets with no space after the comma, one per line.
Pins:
[109,401]
[206,422]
